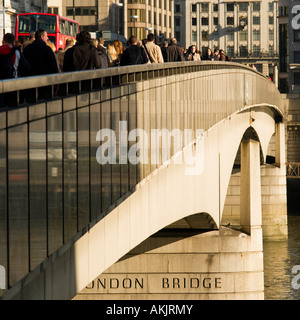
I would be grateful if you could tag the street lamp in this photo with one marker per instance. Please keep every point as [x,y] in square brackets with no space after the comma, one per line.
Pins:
[243,22]
[148,28]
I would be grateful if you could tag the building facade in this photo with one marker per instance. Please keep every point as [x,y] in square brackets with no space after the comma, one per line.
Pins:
[10,8]
[246,30]
[289,46]
[128,17]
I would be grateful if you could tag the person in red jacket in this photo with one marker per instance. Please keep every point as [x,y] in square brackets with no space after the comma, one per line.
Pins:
[9,57]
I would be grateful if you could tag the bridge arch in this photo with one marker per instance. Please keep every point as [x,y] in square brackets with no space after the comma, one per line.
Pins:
[166,195]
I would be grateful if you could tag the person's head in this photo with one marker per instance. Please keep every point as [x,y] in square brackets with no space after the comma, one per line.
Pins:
[150,37]
[101,41]
[112,51]
[69,42]
[173,41]
[209,52]
[132,40]
[192,49]
[83,37]
[216,51]
[166,43]
[41,34]
[118,46]
[9,39]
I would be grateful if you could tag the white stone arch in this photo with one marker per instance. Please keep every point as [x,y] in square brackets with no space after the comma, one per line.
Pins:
[164,197]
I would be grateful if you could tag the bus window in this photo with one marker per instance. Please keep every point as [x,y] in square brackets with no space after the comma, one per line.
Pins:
[63,26]
[31,23]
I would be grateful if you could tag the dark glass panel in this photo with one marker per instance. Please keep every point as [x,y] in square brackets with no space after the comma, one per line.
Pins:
[55,187]
[37,192]
[3,202]
[95,179]
[70,175]
[18,203]
[83,168]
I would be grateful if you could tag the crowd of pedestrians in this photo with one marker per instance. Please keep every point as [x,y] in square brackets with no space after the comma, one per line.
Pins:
[38,56]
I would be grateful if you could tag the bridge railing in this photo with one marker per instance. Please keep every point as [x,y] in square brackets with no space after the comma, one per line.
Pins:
[51,185]
[22,91]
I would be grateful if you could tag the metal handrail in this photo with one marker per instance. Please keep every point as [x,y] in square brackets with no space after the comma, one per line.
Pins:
[122,75]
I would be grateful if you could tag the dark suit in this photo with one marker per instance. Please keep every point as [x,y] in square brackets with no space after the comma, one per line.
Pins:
[41,58]
[134,55]
[174,53]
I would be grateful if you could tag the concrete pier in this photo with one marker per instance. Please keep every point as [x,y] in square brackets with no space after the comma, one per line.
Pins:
[222,264]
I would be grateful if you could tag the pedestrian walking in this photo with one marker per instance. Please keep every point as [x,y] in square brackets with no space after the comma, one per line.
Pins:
[40,55]
[83,55]
[153,51]
[134,54]
[174,52]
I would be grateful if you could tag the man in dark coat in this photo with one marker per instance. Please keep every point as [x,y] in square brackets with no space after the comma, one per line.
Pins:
[134,54]
[174,52]
[40,56]
[82,56]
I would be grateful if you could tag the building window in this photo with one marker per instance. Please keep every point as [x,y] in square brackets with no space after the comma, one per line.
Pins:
[271,35]
[204,21]
[204,7]
[271,20]
[205,36]
[243,51]
[283,11]
[283,47]
[136,1]
[177,22]
[194,36]
[297,35]
[230,51]
[243,35]
[141,13]
[256,35]
[194,21]
[230,21]
[82,11]
[297,78]
[243,6]
[138,32]
[256,51]
[177,8]
[194,7]
[296,56]
[54,10]
[256,20]
[271,6]
[216,21]
[177,35]
[271,51]
[256,6]
[216,7]
[230,7]
[230,36]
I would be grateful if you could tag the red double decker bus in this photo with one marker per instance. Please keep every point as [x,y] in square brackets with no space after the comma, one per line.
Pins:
[57,27]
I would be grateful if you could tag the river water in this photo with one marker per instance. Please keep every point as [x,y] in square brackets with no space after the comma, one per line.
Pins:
[279,259]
